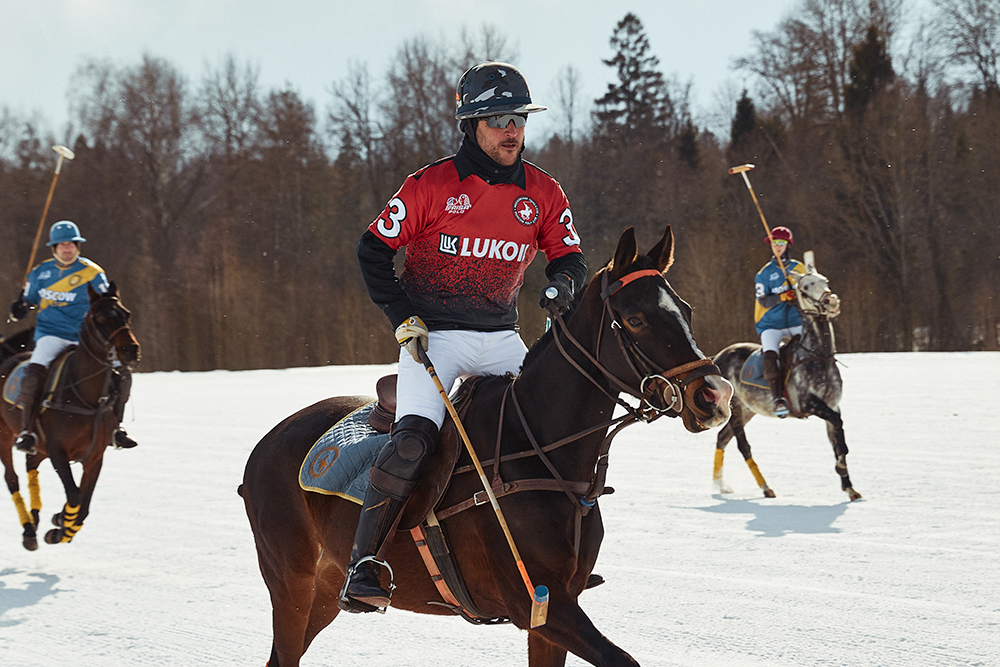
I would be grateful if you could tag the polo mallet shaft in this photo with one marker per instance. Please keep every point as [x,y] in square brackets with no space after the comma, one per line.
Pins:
[742,171]
[63,153]
[540,595]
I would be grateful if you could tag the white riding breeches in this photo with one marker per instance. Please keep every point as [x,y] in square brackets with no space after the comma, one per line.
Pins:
[47,348]
[455,354]
[771,339]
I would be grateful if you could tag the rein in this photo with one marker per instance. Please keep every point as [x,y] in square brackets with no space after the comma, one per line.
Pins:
[584,494]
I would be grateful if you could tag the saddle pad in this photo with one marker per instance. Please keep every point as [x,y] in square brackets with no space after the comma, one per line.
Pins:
[12,387]
[338,463]
[752,372]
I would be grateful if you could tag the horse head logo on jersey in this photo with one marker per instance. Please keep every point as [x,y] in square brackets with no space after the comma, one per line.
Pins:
[526,210]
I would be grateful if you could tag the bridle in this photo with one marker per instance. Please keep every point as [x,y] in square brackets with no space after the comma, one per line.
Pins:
[106,353]
[660,392]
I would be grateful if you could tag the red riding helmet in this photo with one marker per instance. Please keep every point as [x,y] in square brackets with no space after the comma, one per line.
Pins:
[781,234]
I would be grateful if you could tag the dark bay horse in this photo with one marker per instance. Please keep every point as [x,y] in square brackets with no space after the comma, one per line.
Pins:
[628,333]
[812,381]
[77,423]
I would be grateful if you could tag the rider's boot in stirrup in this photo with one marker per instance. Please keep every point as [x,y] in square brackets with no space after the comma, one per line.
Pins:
[393,477]
[362,590]
[122,388]
[31,388]
[772,373]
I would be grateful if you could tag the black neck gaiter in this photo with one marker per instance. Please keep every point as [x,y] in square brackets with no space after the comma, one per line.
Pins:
[471,159]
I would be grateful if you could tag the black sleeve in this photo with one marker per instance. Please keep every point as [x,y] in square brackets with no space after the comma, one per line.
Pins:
[573,265]
[769,301]
[379,274]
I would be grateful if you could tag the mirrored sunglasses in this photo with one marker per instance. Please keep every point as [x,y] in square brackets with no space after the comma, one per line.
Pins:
[501,122]
[779,242]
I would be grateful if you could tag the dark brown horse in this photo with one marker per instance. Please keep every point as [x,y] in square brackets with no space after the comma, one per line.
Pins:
[629,332]
[22,341]
[76,423]
[812,381]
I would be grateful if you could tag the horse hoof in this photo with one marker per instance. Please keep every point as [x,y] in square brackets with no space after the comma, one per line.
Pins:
[54,536]
[853,495]
[30,543]
[57,520]
[768,493]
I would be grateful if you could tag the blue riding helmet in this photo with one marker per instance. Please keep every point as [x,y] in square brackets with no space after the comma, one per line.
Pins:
[493,89]
[63,231]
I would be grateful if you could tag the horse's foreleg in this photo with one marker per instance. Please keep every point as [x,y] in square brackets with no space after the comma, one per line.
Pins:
[835,432]
[569,628]
[543,653]
[66,521]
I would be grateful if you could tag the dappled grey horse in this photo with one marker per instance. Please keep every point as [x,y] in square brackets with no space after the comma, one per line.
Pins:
[812,380]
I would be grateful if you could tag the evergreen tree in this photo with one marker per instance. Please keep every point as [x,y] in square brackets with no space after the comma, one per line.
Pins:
[636,107]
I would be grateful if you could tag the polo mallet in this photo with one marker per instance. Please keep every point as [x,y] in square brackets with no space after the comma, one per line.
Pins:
[63,153]
[742,171]
[540,594]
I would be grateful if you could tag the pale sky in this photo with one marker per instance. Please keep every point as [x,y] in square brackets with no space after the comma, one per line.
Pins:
[309,44]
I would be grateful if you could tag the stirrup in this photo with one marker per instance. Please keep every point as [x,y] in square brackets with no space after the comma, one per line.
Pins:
[26,442]
[780,408]
[355,605]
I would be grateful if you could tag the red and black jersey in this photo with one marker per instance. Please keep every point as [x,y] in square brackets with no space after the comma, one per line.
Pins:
[467,244]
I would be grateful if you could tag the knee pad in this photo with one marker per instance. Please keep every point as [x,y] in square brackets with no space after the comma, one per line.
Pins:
[404,458]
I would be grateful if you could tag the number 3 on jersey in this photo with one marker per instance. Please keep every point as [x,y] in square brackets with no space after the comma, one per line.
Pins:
[566,220]
[396,210]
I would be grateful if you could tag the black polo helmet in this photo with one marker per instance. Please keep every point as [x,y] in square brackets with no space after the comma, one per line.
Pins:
[491,89]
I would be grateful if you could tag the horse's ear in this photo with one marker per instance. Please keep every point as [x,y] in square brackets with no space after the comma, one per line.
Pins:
[626,252]
[112,289]
[663,252]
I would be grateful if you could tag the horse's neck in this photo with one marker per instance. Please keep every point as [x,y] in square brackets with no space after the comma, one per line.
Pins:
[88,366]
[817,336]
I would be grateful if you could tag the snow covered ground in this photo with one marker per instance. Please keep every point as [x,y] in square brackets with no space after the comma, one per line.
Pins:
[164,571]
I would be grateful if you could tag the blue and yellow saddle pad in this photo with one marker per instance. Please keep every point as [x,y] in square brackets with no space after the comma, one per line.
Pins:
[752,372]
[338,464]
[12,387]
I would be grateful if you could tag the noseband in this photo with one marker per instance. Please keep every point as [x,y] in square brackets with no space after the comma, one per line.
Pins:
[654,382]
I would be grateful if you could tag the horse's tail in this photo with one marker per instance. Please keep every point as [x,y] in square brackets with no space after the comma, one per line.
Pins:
[239,490]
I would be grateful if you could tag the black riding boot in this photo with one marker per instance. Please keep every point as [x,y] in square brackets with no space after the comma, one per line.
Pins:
[363,589]
[772,373]
[122,387]
[393,478]
[31,388]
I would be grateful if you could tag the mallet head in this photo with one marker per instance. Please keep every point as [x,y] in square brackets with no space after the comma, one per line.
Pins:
[740,169]
[64,152]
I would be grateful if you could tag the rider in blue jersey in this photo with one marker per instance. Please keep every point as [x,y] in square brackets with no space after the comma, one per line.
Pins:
[776,310]
[58,289]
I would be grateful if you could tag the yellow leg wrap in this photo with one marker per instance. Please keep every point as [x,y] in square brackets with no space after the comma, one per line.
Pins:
[717,470]
[34,490]
[756,473]
[70,526]
[22,511]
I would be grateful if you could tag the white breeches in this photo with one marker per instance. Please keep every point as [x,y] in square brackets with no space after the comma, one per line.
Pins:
[455,354]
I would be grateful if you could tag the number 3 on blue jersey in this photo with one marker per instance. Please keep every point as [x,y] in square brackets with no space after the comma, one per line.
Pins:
[566,220]
[394,225]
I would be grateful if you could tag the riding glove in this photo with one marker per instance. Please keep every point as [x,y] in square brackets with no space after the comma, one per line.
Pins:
[18,309]
[790,295]
[411,333]
[559,292]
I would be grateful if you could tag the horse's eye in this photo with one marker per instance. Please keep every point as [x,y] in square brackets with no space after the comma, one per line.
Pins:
[635,322]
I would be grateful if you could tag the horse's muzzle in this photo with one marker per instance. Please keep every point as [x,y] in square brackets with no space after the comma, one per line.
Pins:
[707,403]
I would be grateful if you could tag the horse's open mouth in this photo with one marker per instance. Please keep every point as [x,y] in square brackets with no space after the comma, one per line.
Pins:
[708,404]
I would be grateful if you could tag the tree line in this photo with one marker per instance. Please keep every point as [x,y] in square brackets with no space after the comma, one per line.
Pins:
[229,215]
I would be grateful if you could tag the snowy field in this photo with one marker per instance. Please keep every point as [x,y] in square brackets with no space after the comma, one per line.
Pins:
[164,571]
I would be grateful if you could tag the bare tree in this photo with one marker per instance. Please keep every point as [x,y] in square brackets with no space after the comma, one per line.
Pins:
[970,31]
